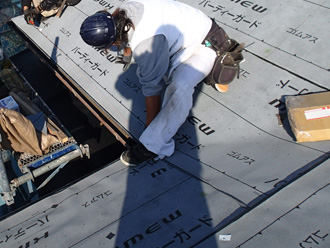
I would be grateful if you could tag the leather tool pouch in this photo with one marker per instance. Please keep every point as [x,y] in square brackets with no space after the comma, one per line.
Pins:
[229,55]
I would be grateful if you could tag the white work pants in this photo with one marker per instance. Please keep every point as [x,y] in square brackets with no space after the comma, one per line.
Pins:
[177,102]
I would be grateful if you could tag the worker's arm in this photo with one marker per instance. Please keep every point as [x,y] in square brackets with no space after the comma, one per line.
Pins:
[153,104]
[152,58]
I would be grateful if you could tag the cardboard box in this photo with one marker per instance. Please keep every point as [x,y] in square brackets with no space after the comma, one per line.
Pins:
[309,116]
[9,103]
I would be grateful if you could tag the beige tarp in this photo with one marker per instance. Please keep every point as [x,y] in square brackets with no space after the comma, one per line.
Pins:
[18,134]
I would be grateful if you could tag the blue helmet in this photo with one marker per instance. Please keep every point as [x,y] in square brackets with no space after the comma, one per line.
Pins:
[99,30]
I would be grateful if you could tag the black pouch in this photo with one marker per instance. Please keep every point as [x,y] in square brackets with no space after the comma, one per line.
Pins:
[225,69]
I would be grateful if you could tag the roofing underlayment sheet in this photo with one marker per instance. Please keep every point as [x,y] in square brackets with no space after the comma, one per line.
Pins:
[237,171]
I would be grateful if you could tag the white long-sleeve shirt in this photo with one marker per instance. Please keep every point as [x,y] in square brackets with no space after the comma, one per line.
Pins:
[166,33]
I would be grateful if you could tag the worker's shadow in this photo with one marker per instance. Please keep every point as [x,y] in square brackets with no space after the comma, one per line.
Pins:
[150,207]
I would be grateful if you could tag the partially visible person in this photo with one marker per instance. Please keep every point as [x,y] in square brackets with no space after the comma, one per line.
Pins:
[32,9]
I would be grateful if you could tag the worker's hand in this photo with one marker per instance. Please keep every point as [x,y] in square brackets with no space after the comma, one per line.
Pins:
[30,16]
[124,60]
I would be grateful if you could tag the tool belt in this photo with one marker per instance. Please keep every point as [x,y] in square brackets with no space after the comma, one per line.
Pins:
[229,56]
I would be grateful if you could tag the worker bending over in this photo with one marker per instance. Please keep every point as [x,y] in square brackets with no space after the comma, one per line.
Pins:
[175,47]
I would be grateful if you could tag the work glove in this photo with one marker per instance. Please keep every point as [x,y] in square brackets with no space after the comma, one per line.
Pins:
[124,60]
[30,16]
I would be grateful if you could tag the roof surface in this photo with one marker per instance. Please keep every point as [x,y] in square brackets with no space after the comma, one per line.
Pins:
[237,178]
